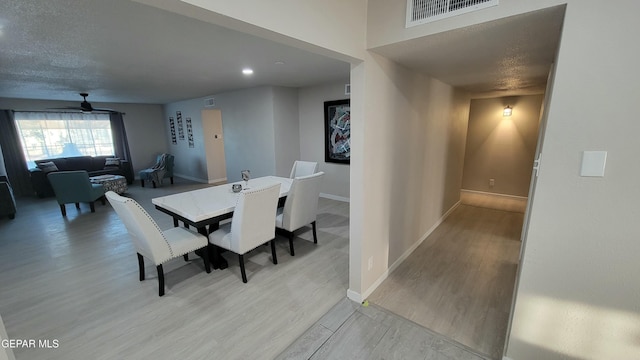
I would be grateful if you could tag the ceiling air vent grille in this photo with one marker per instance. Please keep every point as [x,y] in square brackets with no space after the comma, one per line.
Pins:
[424,11]
[210,102]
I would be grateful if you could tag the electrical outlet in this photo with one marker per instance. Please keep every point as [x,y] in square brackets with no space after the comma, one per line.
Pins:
[370,265]
[492,182]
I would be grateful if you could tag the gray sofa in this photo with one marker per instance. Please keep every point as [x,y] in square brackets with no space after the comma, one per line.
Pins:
[94,165]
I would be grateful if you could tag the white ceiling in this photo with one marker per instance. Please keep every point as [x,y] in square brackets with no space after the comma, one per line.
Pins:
[507,56]
[124,51]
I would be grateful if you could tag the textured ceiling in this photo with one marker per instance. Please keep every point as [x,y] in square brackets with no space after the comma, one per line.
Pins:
[124,51]
[507,56]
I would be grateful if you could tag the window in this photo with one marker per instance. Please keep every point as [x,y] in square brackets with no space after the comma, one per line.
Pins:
[46,135]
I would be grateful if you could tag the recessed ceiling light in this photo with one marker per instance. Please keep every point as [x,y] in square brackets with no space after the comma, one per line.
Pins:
[247,71]
[279,62]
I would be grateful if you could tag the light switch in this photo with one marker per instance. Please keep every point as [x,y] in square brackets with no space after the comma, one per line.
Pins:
[593,163]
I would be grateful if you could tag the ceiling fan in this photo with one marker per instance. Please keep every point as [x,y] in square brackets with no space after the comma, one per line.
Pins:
[86,107]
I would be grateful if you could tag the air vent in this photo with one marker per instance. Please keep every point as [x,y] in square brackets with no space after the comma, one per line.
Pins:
[210,102]
[347,89]
[424,11]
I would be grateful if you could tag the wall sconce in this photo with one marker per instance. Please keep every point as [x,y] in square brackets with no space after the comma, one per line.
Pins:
[507,111]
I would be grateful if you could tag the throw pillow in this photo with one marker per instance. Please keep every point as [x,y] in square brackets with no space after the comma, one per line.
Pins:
[48,166]
[110,163]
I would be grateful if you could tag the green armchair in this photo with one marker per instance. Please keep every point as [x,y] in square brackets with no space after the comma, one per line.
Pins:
[75,187]
[7,201]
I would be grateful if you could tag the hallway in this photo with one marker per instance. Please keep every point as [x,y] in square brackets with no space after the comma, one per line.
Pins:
[459,282]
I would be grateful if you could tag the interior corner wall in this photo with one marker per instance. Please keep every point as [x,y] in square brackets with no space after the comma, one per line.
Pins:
[501,148]
[248,133]
[286,129]
[143,122]
[312,132]
[413,151]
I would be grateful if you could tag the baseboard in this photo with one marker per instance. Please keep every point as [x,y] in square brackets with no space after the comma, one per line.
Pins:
[494,200]
[204,181]
[335,197]
[215,181]
[354,296]
[514,197]
[406,254]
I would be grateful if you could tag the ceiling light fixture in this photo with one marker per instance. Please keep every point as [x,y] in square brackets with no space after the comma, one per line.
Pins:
[247,71]
[507,111]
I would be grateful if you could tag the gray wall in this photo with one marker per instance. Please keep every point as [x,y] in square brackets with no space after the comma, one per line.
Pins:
[265,130]
[501,148]
[286,129]
[311,110]
[143,123]
[190,163]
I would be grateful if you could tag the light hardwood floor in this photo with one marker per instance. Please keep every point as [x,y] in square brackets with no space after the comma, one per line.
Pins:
[459,281]
[75,279]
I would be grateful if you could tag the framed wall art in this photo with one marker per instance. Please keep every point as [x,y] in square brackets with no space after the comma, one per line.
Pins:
[337,131]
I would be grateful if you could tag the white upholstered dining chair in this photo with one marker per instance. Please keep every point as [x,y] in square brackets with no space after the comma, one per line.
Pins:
[301,207]
[151,242]
[303,168]
[252,224]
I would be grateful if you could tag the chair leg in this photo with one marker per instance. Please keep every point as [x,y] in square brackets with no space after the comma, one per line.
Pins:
[77,205]
[103,199]
[186,257]
[205,257]
[142,182]
[63,210]
[315,236]
[92,205]
[291,243]
[171,180]
[141,266]
[160,280]
[154,184]
[273,251]
[244,274]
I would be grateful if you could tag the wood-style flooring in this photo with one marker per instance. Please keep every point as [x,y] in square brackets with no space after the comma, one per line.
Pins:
[459,282]
[75,279]
[357,332]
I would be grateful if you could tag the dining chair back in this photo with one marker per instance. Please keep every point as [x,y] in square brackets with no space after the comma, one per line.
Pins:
[301,207]
[252,224]
[151,242]
[254,218]
[303,168]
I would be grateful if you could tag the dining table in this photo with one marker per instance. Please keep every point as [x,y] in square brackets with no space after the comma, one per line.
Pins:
[205,208]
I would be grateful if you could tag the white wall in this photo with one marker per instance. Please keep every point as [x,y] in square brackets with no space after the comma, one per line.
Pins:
[335,182]
[577,296]
[143,123]
[286,129]
[330,27]
[411,142]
